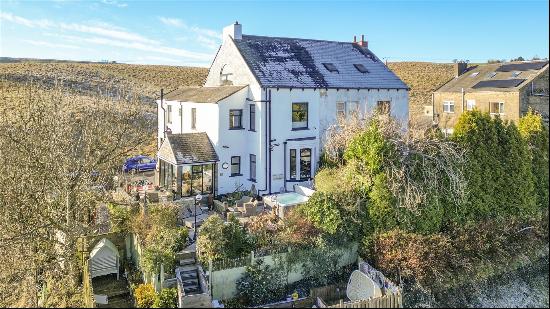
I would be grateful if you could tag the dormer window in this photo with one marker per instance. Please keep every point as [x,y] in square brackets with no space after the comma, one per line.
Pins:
[361,68]
[330,67]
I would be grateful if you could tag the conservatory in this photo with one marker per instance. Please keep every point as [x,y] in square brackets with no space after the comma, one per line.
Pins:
[187,164]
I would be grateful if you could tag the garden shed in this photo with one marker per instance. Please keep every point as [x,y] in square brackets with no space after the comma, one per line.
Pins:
[104,259]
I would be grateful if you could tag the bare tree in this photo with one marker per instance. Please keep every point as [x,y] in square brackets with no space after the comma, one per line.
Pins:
[58,154]
[428,163]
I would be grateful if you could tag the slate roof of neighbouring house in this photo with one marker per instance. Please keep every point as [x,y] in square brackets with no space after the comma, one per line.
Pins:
[186,148]
[501,77]
[298,63]
[202,94]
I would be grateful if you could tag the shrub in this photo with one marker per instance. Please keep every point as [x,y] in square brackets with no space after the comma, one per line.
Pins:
[120,218]
[182,237]
[161,245]
[498,168]
[322,209]
[145,296]
[260,284]
[218,240]
[532,129]
[263,231]
[211,240]
[237,241]
[475,133]
[424,258]
[168,298]
[319,263]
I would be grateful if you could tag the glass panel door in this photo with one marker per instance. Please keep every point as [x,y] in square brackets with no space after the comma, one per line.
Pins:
[305,163]
[197,179]
[186,181]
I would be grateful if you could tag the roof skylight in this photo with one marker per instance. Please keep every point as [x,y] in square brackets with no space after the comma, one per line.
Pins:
[491,74]
[330,67]
[361,68]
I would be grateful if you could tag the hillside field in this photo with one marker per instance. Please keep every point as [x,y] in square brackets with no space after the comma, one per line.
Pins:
[145,81]
[423,78]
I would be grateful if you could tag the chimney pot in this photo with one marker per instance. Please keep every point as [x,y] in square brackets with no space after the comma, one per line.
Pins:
[460,68]
[234,31]
[354,39]
[363,43]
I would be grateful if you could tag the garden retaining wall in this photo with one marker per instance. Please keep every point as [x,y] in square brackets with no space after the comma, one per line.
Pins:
[223,281]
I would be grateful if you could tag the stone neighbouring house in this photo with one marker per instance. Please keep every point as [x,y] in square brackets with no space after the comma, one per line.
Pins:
[265,107]
[505,89]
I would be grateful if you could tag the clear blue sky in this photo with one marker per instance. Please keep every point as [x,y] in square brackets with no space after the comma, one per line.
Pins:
[189,32]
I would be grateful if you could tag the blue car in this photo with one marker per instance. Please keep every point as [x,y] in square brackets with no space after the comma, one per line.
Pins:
[139,164]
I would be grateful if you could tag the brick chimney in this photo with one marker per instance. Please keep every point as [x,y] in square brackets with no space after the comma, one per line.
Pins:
[235,31]
[362,43]
[460,68]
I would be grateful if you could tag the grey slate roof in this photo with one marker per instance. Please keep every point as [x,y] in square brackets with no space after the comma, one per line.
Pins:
[478,77]
[202,94]
[189,148]
[298,63]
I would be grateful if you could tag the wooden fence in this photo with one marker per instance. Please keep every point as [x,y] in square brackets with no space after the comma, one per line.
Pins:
[88,290]
[329,293]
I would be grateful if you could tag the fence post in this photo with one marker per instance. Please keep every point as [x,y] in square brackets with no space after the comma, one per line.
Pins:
[161,276]
[210,269]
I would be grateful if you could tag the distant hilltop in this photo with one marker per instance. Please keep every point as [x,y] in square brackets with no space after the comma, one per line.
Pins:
[38,60]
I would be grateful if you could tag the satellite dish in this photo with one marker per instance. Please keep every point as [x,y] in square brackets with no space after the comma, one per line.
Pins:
[361,286]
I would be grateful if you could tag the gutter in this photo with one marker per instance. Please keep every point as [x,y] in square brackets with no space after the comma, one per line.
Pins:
[164,112]
[267,187]
[284,162]
[181,117]
[433,108]
[462,91]
[269,140]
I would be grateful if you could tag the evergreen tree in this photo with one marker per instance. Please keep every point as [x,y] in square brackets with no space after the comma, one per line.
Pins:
[535,134]
[475,132]
[516,183]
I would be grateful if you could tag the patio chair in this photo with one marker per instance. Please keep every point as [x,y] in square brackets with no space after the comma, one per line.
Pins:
[242,201]
[249,209]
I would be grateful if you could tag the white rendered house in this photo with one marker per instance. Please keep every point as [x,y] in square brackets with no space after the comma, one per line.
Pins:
[264,110]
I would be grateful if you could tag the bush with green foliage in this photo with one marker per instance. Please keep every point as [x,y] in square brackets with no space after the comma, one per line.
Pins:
[167,298]
[429,184]
[323,210]
[160,236]
[260,284]
[533,130]
[319,262]
[218,240]
[211,240]
[237,241]
[500,179]
[162,245]
[120,217]
[145,296]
